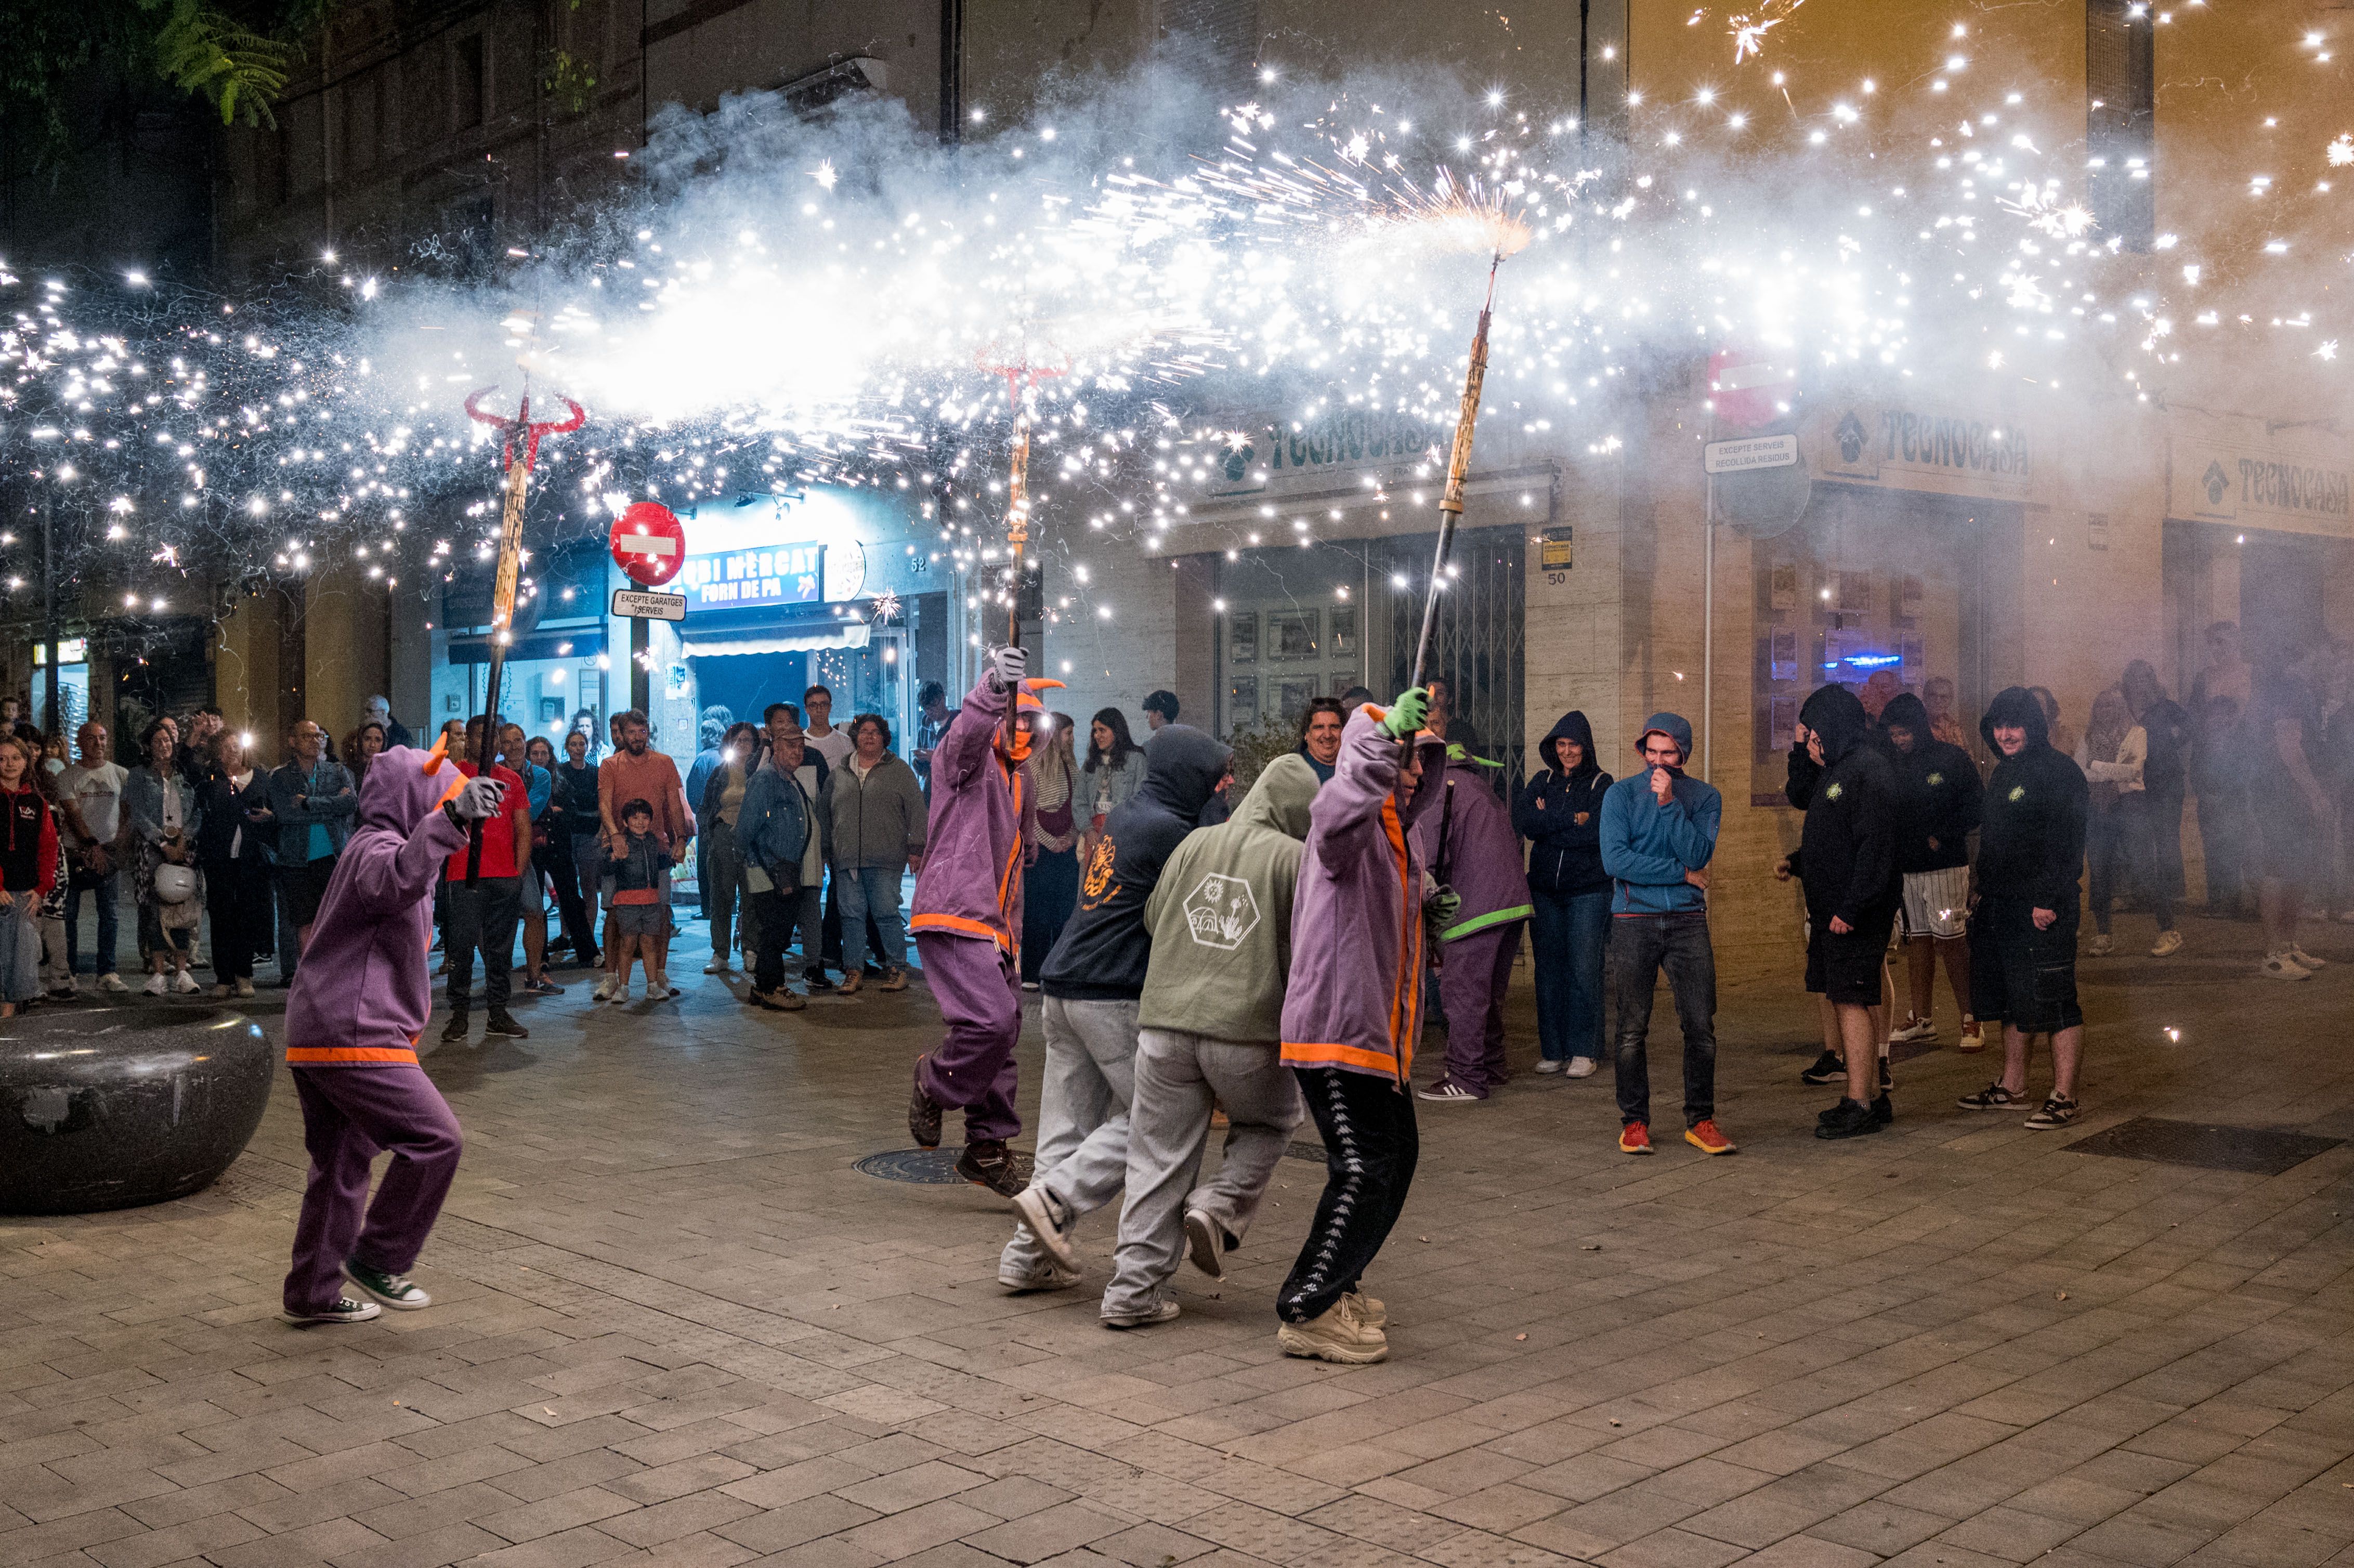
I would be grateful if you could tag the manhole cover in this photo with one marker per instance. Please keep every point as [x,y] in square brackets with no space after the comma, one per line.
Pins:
[2258,1150]
[929,1167]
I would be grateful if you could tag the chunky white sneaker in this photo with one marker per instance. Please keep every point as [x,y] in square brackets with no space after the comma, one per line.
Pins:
[2168,943]
[185,984]
[1917,1031]
[1580,1067]
[2281,966]
[1160,1311]
[2306,960]
[109,981]
[717,966]
[1550,1065]
[1053,1276]
[1049,1219]
[1340,1335]
[1372,1313]
[156,986]
[604,991]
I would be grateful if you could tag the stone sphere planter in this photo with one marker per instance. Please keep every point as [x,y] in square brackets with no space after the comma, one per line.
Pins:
[115,1107]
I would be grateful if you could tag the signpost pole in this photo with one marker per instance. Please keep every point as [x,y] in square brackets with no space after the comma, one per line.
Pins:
[1707,639]
[641,682]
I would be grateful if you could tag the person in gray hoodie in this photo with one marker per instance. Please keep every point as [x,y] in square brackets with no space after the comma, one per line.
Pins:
[1209,1022]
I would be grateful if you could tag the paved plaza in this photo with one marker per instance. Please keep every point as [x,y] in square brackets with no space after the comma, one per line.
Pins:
[676,1326]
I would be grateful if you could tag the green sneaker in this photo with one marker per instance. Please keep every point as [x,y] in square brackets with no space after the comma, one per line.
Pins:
[393,1289]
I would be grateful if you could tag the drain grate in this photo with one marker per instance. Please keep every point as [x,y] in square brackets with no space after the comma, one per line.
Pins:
[927,1167]
[2256,1150]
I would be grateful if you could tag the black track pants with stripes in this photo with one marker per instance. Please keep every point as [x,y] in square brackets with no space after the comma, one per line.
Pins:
[1370,1148]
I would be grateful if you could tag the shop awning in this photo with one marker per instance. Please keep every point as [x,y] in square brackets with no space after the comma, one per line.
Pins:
[847,634]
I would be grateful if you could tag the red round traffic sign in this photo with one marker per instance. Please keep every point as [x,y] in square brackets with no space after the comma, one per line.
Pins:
[1747,388]
[648,542]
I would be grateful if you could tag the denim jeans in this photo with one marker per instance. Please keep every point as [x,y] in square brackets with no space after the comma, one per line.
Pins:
[1640,947]
[870,892]
[107,894]
[1567,935]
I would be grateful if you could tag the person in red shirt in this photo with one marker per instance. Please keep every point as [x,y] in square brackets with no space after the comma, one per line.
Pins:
[486,906]
[638,772]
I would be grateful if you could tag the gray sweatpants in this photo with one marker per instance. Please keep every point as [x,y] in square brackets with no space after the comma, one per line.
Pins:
[1082,1115]
[1178,1075]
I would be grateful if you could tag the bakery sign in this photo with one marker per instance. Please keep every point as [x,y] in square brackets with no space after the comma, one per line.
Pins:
[1332,449]
[2214,481]
[1914,449]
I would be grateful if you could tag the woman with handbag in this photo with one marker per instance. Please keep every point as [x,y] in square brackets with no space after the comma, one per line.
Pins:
[233,847]
[163,822]
[28,871]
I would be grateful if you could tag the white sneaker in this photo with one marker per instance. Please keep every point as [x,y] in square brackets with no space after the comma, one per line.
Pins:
[1053,1276]
[604,991]
[109,981]
[1581,1067]
[245,988]
[1338,1336]
[1038,1210]
[2281,966]
[222,991]
[156,985]
[717,966]
[185,984]
[2306,960]
[2168,943]
[1916,1031]
[1549,1064]
[1160,1311]
[2101,945]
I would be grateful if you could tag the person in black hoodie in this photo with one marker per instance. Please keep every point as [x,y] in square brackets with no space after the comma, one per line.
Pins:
[1846,856]
[2023,930]
[1092,980]
[1559,811]
[1937,791]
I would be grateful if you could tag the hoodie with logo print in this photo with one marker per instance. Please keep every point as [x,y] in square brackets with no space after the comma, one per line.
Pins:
[1221,915]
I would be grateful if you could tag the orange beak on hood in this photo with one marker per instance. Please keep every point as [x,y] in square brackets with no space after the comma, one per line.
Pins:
[1016,747]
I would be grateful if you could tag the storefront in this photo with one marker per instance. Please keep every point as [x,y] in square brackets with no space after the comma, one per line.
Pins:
[558,671]
[73,685]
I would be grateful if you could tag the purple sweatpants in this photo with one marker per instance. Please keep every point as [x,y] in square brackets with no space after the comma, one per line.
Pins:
[349,1115]
[1472,984]
[978,988]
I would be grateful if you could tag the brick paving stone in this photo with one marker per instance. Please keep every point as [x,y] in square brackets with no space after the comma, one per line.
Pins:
[674,1327]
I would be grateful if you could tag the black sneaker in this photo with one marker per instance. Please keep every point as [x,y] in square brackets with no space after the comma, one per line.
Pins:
[394,1290]
[503,1023]
[924,1114]
[1828,1069]
[1848,1119]
[345,1310]
[2056,1113]
[1884,1110]
[454,1031]
[1994,1097]
[1887,1078]
[988,1163]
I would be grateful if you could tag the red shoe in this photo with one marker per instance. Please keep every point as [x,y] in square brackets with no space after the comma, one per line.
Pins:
[1634,1138]
[1704,1137]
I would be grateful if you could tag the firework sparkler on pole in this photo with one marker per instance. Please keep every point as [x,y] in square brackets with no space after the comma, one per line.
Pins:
[503,592]
[1021,373]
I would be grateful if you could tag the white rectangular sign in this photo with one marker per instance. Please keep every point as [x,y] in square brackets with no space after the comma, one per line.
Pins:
[1756,451]
[641,606]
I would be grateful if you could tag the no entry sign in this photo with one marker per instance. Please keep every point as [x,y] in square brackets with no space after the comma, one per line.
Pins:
[1748,387]
[649,543]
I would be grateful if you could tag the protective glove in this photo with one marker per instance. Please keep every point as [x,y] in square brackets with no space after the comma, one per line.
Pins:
[1456,752]
[1006,667]
[1441,905]
[476,799]
[1407,713]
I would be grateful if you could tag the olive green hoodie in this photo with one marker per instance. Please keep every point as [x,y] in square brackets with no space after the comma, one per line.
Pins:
[1221,915]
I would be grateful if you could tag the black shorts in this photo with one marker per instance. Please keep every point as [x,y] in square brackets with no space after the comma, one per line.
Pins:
[306,884]
[2021,976]
[1846,968]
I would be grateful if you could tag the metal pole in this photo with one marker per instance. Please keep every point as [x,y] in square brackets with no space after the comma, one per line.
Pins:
[1707,639]
[53,718]
[1458,464]
[502,597]
[641,683]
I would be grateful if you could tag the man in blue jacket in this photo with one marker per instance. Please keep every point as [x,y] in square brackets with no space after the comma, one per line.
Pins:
[1658,830]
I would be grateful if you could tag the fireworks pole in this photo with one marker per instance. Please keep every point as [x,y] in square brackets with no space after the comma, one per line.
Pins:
[510,570]
[1022,378]
[1458,464]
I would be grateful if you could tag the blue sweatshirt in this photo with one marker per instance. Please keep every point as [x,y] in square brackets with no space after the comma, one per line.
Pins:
[1647,847]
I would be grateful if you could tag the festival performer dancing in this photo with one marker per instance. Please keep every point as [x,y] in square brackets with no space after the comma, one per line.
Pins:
[1471,846]
[1210,1021]
[1092,980]
[1353,1014]
[968,919]
[352,1023]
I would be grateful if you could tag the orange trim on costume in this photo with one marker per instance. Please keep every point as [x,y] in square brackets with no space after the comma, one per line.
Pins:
[1332,1053]
[957,924]
[1014,859]
[331,1055]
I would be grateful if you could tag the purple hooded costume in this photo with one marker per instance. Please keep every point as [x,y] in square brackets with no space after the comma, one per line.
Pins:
[1357,950]
[967,915]
[1471,846]
[360,999]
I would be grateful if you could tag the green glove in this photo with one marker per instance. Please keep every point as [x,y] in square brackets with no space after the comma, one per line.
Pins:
[1442,906]
[1407,713]
[1456,753]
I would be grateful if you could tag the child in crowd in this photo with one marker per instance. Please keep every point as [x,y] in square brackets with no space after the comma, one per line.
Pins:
[640,899]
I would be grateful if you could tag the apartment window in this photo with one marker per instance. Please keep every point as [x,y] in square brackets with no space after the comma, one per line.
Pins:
[2120,119]
[467,88]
